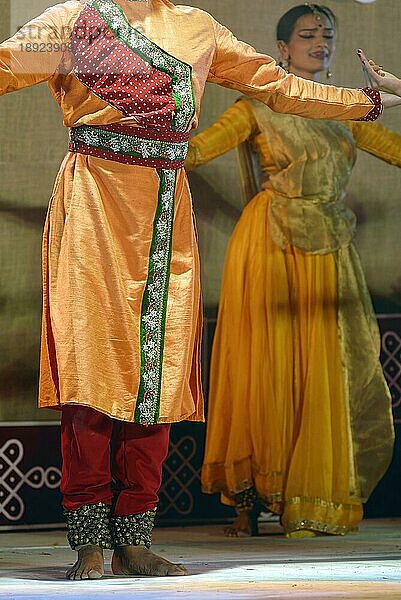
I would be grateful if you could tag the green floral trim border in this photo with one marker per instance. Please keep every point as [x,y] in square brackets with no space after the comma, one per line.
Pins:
[154,303]
[130,145]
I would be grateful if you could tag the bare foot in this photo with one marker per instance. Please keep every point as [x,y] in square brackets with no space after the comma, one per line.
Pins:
[245,525]
[89,565]
[138,560]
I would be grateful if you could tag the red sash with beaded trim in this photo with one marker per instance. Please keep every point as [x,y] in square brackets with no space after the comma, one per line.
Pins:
[130,72]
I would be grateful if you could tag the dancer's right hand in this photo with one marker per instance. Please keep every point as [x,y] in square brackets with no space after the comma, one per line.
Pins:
[377,77]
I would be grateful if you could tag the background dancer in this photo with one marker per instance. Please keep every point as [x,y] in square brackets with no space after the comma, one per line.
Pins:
[299,411]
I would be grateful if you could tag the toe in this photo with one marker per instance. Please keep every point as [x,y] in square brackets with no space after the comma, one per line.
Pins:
[177,573]
[72,573]
[93,574]
[177,570]
[241,533]
[75,575]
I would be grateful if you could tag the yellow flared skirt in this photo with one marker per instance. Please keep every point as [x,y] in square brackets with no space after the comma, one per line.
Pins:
[279,417]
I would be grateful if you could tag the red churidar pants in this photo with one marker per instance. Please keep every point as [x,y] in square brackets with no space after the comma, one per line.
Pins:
[97,449]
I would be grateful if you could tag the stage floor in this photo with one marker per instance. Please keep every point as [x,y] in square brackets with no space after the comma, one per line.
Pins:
[366,565]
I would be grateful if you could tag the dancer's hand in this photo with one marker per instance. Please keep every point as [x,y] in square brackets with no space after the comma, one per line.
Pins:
[377,78]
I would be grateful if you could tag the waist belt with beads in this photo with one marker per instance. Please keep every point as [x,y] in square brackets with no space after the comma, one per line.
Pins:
[131,145]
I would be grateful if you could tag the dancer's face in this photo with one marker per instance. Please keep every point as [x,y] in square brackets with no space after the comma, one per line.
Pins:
[311,46]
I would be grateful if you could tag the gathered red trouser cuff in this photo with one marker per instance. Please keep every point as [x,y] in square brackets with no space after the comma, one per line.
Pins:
[110,462]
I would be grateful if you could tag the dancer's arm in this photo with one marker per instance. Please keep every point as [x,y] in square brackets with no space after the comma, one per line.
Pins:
[376,139]
[237,65]
[34,53]
[234,126]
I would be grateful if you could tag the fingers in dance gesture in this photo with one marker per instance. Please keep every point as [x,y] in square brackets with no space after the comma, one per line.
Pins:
[377,77]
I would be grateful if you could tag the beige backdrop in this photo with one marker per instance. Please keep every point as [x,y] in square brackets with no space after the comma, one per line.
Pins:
[32,144]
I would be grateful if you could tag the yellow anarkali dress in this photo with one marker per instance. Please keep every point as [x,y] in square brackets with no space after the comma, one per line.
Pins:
[122,302]
[298,405]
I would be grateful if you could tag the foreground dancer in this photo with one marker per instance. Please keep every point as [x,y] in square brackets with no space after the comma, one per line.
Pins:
[122,303]
[299,411]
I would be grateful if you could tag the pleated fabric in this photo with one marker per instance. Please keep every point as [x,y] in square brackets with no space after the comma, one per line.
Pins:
[278,417]
[298,404]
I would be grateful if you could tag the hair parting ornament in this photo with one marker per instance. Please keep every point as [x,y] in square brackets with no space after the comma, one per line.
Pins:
[315,11]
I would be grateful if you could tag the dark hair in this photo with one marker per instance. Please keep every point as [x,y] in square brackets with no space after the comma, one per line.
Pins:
[286,24]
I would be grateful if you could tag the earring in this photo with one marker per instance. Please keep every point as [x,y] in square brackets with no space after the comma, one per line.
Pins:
[329,74]
[284,64]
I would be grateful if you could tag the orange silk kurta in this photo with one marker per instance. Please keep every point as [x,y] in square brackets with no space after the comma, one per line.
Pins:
[99,226]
